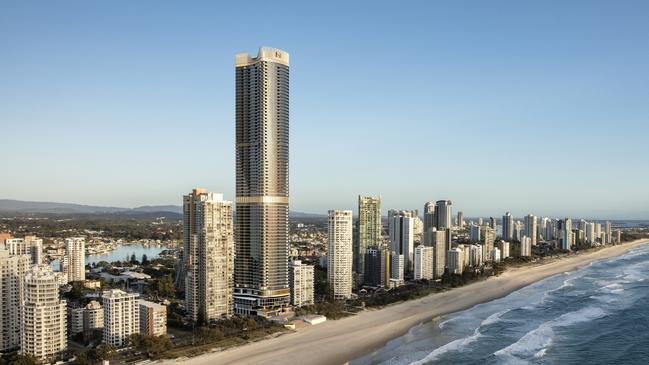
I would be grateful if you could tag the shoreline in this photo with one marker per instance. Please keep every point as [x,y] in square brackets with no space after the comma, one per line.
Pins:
[351,338]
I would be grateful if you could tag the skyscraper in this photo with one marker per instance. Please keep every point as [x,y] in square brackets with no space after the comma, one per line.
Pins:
[608,232]
[460,219]
[75,258]
[430,221]
[424,259]
[440,243]
[12,273]
[44,315]
[508,227]
[530,228]
[443,211]
[369,229]
[208,250]
[153,318]
[262,153]
[402,237]
[339,253]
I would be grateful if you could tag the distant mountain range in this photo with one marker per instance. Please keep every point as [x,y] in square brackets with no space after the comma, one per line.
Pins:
[21,206]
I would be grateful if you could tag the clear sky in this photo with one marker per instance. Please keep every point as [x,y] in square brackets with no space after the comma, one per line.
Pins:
[524,106]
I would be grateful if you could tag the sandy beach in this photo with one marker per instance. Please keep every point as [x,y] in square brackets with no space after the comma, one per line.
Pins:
[336,342]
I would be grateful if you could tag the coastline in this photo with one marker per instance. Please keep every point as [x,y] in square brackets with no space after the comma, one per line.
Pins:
[337,342]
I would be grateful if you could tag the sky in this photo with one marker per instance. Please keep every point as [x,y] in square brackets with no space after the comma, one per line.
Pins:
[524,106]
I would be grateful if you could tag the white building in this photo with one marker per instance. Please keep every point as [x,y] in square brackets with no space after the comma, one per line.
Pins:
[530,228]
[301,282]
[475,255]
[121,316]
[340,252]
[440,244]
[153,319]
[455,260]
[93,316]
[503,246]
[44,317]
[424,259]
[526,246]
[495,255]
[75,258]
[12,272]
[208,253]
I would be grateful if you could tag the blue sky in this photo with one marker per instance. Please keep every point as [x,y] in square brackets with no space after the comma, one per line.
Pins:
[538,107]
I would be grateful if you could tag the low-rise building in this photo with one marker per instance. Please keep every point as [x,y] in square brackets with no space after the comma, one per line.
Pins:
[153,319]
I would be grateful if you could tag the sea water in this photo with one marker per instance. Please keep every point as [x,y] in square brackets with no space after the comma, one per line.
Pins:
[598,314]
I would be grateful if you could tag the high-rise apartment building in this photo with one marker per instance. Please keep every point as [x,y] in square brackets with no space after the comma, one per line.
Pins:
[530,228]
[460,220]
[12,273]
[402,238]
[455,260]
[301,277]
[377,267]
[492,223]
[340,253]
[75,258]
[526,246]
[489,241]
[424,260]
[368,229]
[121,317]
[609,237]
[566,237]
[153,319]
[440,244]
[503,246]
[44,316]
[444,213]
[262,153]
[208,240]
[29,245]
[430,220]
[508,227]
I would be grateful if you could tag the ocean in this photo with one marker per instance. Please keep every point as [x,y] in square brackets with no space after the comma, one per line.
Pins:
[598,314]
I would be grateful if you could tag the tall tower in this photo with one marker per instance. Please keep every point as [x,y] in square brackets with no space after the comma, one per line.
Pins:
[44,315]
[508,227]
[402,241]
[208,241]
[75,258]
[369,229]
[531,228]
[121,316]
[262,137]
[12,273]
[339,253]
[444,214]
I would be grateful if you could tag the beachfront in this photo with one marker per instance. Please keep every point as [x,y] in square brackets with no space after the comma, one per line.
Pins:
[336,342]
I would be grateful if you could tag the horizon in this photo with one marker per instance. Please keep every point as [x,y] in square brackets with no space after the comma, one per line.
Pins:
[507,106]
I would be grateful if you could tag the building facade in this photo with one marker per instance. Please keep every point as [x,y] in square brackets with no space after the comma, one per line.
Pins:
[262,155]
[75,258]
[44,316]
[153,319]
[340,253]
[508,227]
[444,213]
[368,228]
[402,237]
[424,262]
[121,317]
[12,273]
[301,278]
[208,240]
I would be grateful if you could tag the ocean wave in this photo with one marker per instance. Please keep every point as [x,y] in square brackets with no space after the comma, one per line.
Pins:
[462,342]
[535,343]
[456,345]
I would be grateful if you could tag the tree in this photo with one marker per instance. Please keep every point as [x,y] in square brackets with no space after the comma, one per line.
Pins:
[133,259]
[145,260]
[24,360]
[95,355]
[152,346]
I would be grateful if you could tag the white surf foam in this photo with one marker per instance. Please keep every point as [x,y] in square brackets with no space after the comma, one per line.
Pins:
[535,343]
